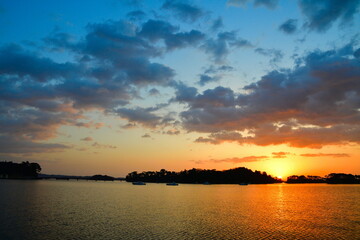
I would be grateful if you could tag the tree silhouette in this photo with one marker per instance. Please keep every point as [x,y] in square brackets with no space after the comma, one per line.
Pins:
[236,175]
[19,170]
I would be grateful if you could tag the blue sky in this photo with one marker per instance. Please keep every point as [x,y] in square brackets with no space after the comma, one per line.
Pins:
[236,81]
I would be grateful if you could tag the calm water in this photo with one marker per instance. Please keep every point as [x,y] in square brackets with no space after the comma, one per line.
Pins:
[119,210]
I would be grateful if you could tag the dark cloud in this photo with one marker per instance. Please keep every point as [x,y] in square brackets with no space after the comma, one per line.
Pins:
[87,139]
[220,46]
[357,53]
[216,69]
[204,79]
[322,14]
[156,30]
[14,60]
[143,116]
[184,10]
[111,62]
[59,41]
[98,145]
[312,105]
[136,3]
[217,24]
[154,92]
[184,94]
[218,96]
[274,54]
[20,146]
[271,4]
[33,123]
[289,26]
[237,3]
[171,132]
[213,74]
[135,15]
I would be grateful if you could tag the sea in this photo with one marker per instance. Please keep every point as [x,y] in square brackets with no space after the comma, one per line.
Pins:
[59,209]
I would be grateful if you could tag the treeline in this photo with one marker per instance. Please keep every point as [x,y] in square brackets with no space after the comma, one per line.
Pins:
[231,176]
[24,170]
[332,178]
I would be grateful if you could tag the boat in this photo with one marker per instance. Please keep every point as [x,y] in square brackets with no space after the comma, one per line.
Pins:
[243,184]
[138,183]
[172,184]
[206,183]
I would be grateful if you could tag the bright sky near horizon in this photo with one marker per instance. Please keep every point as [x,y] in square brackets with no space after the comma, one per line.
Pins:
[114,86]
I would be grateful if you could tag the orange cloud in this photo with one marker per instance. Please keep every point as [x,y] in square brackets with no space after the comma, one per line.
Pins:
[233,160]
[335,155]
[280,154]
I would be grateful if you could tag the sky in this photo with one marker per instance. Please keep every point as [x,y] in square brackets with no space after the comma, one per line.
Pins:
[115,86]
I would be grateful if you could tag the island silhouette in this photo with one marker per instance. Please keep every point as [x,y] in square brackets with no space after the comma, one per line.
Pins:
[240,175]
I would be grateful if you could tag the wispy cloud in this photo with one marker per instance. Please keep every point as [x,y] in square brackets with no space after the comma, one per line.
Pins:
[335,155]
[280,154]
[233,160]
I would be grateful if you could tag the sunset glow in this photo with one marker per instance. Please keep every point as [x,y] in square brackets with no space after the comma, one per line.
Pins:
[111,87]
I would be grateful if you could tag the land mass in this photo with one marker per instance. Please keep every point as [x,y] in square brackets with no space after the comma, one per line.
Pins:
[241,175]
[231,176]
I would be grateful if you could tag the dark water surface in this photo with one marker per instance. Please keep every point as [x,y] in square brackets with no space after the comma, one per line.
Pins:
[117,210]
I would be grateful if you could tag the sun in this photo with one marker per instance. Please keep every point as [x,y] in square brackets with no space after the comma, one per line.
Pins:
[280,177]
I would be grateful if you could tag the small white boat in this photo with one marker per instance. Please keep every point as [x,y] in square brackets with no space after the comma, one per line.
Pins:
[172,184]
[138,183]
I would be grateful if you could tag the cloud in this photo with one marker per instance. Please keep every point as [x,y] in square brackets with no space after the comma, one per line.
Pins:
[154,92]
[274,54]
[171,132]
[136,15]
[59,41]
[213,74]
[34,124]
[87,139]
[233,160]
[357,53]
[289,26]
[204,79]
[220,46]
[143,116]
[335,155]
[237,3]
[322,14]
[113,60]
[136,3]
[129,126]
[146,135]
[313,105]
[271,4]
[217,97]
[183,10]
[20,146]
[98,145]
[14,60]
[217,24]
[279,154]
[156,30]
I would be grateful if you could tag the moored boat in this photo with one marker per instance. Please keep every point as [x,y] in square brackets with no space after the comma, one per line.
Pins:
[172,184]
[138,183]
